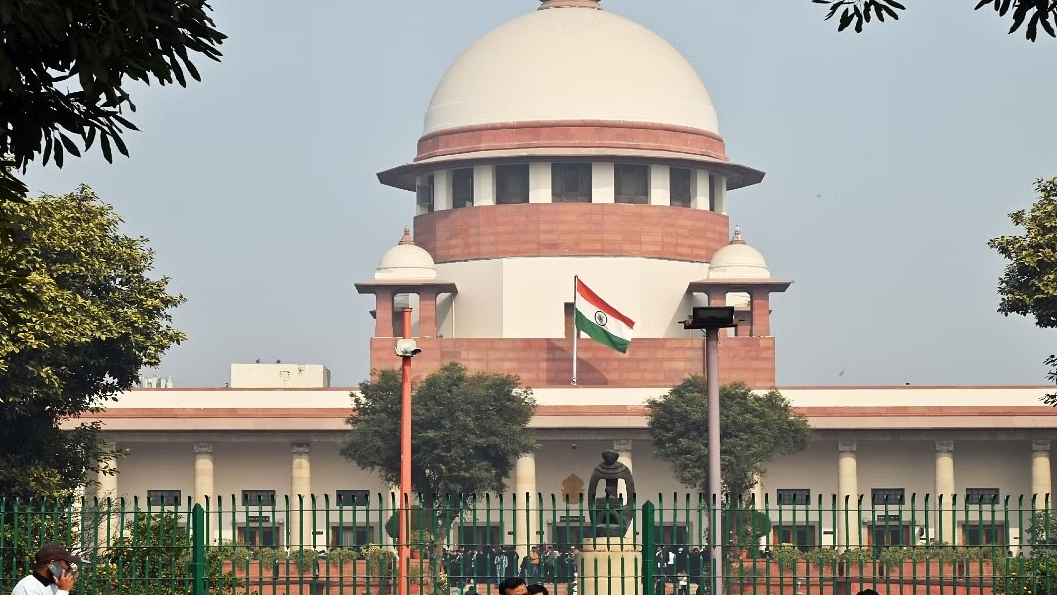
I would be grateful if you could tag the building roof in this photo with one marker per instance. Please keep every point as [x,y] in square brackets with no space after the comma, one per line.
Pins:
[568,64]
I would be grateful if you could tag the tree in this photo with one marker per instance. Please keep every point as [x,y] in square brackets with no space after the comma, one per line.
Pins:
[755,428]
[1028,285]
[467,431]
[100,320]
[858,13]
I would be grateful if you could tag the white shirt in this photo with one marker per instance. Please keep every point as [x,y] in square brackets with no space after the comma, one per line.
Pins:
[31,585]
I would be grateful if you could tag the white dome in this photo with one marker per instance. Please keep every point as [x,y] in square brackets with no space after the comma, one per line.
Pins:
[571,64]
[406,261]
[738,260]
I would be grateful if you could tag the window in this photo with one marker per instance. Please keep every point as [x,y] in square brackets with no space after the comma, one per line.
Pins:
[462,188]
[354,497]
[801,536]
[796,496]
[163,497]
[570,182]
[713,192]
[985,534]
[424,194]
[511,184]
[479,535]
[570,530]
[632,184]
[889,496]
[351,536]
[260,534]
[680,187]
[985,496]
[672,535]
[258,497]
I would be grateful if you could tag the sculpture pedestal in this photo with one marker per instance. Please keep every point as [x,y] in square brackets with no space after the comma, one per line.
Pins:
[610,568]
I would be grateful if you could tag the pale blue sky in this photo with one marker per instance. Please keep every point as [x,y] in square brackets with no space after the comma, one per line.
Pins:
[891,158]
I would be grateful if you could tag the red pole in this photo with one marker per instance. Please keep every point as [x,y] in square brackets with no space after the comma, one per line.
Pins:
[405,463]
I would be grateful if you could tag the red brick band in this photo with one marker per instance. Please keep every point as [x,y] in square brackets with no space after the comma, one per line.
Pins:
[592,134]
[571,229]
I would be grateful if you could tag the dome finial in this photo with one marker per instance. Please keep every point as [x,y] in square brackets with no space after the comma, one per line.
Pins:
[737,239]
[407,237]
[570,4]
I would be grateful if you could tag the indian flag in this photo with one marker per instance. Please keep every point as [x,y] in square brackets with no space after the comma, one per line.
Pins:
[600,321]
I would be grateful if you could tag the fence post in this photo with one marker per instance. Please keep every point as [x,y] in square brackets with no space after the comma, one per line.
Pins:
[198,550]
[649,549]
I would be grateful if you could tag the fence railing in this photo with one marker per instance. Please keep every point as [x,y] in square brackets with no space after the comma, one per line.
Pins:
[319,545]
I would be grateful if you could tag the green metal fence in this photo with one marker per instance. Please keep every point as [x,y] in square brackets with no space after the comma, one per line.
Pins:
[316,546]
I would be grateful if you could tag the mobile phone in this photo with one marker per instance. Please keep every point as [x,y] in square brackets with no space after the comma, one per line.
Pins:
[56,570]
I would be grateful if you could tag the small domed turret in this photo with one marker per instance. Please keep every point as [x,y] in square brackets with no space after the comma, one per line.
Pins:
[406,261]
[738,260]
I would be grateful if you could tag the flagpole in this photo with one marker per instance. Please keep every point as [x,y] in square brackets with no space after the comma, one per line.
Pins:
[576,328]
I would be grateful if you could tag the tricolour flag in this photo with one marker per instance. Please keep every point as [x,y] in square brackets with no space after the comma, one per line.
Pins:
[600,321]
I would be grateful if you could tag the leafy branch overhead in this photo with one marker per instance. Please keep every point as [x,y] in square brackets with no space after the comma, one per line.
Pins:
[857,13]
[64,65]
[1028,286]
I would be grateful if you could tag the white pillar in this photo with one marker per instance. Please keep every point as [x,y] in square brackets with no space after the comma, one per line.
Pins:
[483,185]
[945,530]
[107,477]
[660,185]
[720,194]
[204,474]
[442,190]
[757,492]
[623,448]
[539,182]
[526,526]
[1040,471]
[603,182]
[848,524]
[389,507]
[300,485]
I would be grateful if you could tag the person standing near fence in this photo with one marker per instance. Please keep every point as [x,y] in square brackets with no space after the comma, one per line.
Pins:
[54,573]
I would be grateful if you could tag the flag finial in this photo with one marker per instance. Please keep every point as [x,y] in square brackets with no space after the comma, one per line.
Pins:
[737,239]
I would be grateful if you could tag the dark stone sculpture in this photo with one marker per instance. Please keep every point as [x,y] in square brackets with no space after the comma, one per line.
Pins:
[610,515]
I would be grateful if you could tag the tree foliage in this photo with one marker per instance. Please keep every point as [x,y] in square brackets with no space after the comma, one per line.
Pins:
[100,319]
[858,13]
[754,428]
[467,431]
[64,65]
[1028,286]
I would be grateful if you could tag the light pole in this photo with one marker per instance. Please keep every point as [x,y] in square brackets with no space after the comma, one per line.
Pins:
[711,319]
[406,348]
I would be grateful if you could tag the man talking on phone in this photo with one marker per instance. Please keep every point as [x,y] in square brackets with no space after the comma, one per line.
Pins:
[54,573]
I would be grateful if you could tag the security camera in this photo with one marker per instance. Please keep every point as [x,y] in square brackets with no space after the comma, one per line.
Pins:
[407,348]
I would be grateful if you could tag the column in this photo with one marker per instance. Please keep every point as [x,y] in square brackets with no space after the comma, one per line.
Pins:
[390,498]
[300,485]
[756,495]
[701,188]
[442,190]
[107,477]
[623,448]
[526,526]
[848,524]
[483,185]
[427,313]
[204,473]
[383,312]
[660,185]
[720,194]
[761,313]
[539,182]
[1040,471]
[603,182]
[945,529]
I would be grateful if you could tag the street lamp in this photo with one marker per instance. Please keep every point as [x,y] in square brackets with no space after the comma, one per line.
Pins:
[711,319]
[406,348]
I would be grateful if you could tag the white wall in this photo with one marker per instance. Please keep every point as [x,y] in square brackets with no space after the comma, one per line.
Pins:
[525,297]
